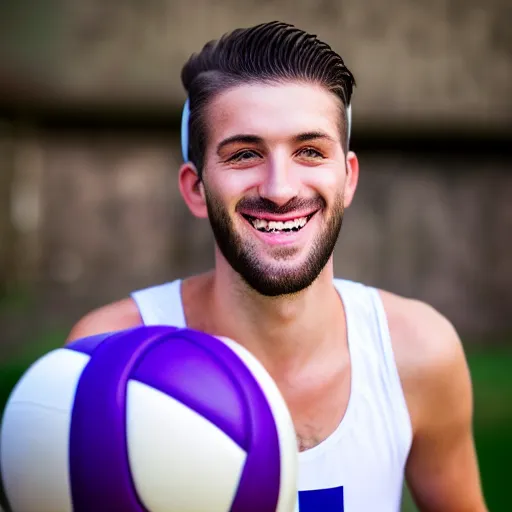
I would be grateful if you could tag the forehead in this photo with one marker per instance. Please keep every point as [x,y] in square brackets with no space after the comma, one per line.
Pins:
[273,111]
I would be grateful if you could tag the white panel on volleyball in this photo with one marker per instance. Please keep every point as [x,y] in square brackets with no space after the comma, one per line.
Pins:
[288,492]
[34,451]
[180,461]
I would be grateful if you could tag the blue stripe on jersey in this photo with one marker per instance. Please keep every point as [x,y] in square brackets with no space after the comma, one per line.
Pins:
[324,500]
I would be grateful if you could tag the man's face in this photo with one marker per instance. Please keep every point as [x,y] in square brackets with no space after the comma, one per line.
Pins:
[274,179]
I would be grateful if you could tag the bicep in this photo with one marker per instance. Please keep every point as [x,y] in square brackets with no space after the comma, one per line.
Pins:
[442,469]
[442,472]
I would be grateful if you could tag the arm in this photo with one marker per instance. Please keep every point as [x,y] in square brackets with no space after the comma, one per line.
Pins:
[117,316]
[442,469]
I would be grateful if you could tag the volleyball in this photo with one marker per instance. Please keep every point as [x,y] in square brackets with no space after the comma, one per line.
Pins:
[152,419]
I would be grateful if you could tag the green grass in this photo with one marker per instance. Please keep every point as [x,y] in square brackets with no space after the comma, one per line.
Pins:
[491,372]
[492,382]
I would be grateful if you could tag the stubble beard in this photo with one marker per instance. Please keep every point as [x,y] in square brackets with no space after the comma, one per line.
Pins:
[278,278]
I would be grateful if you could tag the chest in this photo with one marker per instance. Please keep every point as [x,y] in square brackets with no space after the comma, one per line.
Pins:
[317,404]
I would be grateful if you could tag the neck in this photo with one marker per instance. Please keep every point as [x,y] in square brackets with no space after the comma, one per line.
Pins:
[284,332]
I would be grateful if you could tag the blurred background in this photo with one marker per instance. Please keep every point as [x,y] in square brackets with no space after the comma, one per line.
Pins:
[90,104]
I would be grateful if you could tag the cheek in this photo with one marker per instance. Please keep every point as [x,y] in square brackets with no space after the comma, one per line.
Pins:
[231,186]
[326,180]
[226,192]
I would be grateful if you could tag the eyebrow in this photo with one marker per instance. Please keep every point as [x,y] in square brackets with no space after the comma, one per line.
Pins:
[255,139]
[308,136]
[240,139]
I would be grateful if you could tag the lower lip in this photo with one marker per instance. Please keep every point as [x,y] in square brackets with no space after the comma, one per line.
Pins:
[281,239]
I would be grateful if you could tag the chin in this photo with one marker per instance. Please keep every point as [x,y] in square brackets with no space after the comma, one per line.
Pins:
[278,288]
[273,280]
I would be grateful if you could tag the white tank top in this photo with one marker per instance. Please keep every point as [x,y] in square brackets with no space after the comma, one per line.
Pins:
[360,466]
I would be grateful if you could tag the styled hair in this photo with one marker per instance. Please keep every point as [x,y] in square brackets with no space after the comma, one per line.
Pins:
[272,52]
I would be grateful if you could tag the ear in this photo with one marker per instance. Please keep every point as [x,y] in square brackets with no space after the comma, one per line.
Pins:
[192,191]
[352,177]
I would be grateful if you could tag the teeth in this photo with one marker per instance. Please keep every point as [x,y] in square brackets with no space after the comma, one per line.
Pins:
[259,223]
[263,225]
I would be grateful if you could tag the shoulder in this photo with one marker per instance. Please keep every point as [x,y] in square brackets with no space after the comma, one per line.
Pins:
[115,316]
[430,359]
[414,321]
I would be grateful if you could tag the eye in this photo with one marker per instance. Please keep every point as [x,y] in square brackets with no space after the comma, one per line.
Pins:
[243,156]
[310,153]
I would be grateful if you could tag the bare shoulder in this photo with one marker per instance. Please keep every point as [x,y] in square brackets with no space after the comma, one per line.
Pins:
[429,356]
[115,316]
[417,326]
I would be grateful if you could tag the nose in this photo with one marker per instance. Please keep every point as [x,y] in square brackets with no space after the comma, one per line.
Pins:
[280,183]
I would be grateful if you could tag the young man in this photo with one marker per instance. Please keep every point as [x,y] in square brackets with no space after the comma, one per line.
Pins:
[377,384]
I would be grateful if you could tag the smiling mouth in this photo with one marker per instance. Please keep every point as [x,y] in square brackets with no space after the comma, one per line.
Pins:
[272,226]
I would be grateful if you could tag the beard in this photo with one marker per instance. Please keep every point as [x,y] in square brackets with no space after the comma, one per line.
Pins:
[278,278]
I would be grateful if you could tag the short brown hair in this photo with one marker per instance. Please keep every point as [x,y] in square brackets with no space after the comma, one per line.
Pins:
[267,53]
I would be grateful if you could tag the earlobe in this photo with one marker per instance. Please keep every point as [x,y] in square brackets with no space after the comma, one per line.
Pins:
[192,191]
[352,178]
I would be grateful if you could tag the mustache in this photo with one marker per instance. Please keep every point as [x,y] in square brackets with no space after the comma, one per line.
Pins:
[261,205]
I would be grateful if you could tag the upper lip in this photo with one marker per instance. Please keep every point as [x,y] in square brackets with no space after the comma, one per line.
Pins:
[278,218]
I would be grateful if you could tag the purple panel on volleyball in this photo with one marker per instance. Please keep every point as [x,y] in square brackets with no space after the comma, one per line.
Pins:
[195,369]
